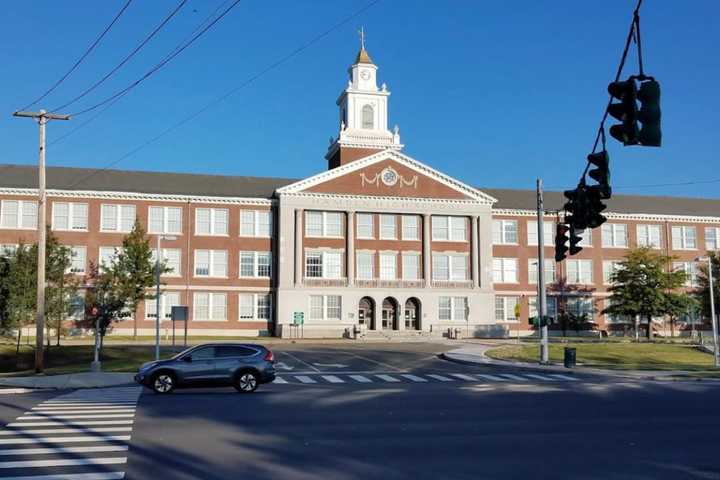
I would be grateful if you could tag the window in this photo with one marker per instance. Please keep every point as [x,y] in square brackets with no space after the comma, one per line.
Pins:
[548,233]
[410,227]
[255,223]
[609,267]
[368,119]
[254,306]
[449,228]
[108,255]
[18,214]
[452,308]
[505,232]
[77,306]
[586,235]
[447,267]
[117,218]
[209,306]
[167,220]
[579,271]
[388,227]
[712,238]
[506,309]
[505,270]
[684,238]
[614,235]
[8,249]
[691,270]
[323,224]
[551,307]
[325,307]
[78,259]
[533,270]
[211,221]
[171,256]
[388,266]
[211,263]
[69,216]
[410,266]
[365,225]
[255,264]
[616,318]
[323,265]
[167,301]
[365,265]
[648,236]
[581,308]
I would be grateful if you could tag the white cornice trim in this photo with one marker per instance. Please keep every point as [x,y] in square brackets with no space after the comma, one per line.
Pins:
[399,157]
[138,196]
[618,216]
[379,198]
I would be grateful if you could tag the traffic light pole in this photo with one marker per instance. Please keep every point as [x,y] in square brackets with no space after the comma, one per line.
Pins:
[541,303]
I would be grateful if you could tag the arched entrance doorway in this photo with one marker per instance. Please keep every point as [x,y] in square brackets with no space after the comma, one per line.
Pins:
[366,313]
[389,314]
[412,314]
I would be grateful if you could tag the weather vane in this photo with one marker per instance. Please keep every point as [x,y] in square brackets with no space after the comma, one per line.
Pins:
[361,32]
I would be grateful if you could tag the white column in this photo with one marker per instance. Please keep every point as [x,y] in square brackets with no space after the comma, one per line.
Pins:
[426,249]
[474,253]
[350,250]
[298,246]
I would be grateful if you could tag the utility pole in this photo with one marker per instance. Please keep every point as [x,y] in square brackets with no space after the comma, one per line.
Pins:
[157,299]
[541,302]
[42,118]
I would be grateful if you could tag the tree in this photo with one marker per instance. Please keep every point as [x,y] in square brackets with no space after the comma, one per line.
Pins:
[703,291]
[21,287]
[642,285]
[61,287]
[679,305]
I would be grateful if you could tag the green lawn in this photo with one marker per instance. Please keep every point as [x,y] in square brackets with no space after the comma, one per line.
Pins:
[620,356]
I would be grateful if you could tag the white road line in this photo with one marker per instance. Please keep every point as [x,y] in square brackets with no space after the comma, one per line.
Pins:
[305,379]
[8,391]
[414,378]
[41,417]
[50,450]
[74,476]
[440,377]
[64,463]
[360,378]
[494,378]
[387,378]
[539,377]
[280,380]
[50,412]
[462,376]
[65,430]
[563,377]
[512,376]
[86,405]
[69,424]
[333,379]
[80,439]
[301,361]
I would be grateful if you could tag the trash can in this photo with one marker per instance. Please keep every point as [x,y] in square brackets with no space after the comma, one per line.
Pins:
[570,356]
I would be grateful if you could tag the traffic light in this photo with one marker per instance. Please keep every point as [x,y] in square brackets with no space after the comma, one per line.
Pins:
[576,207]
[601,172]
[649,114]
[561,240]
[575,240]
[594,197]
[626,111]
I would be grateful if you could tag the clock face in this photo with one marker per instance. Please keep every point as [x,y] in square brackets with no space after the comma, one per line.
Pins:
[365,75]
[389,177]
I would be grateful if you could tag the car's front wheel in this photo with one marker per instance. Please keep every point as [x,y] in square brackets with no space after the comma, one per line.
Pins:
[163,382]
[246,382]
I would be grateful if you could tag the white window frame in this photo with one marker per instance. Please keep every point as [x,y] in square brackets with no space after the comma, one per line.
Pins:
[255,297]
[508,311]
[119,208]
[610,267]
[325,223]
[683,237]
[72,208]
[116,252]
[324,255]
[164,219]
[504,270]
[716,233]
[453,308]
[385,270]
[415,258]
[325,306]
[362,270]
[213,298]
[611,235]
[383,226]
[586,235]
[579,270]
[691,270]
[213,217]
[256,263]
[22,205]
[211,263]
[451,261]
[548,233]
[550,270]
[551,311]
[501,232]
[443,228]
[645,234]
[165,306]
[175,272]
[74,250]
[587,301]
[410,232]
[257,215]
[363,224]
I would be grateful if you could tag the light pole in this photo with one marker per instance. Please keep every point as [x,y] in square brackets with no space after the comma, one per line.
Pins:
[713,320]
[158,298]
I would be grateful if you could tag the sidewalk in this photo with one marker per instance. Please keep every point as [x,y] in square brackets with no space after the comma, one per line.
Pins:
[475,355]
[71,380]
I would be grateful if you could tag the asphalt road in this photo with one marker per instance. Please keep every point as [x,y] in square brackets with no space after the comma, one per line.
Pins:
[468,426]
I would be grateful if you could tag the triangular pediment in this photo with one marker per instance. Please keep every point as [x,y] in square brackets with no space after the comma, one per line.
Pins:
[388,174]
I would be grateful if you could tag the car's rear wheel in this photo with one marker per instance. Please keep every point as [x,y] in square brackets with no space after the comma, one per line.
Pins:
[246,382]
[163,382]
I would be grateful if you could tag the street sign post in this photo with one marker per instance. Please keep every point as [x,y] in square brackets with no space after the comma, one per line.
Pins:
[298,322]
[179,313]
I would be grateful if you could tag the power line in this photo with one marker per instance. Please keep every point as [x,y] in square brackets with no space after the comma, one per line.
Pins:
[230,92]
[158,66]
[652,185]
[127,58]
[84,55]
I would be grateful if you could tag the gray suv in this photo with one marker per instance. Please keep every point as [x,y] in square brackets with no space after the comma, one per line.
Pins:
[244,366]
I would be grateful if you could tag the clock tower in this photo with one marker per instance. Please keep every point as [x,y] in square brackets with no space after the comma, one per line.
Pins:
[363,119]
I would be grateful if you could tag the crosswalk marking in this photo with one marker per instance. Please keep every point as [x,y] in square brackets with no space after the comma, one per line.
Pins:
[65,430]
[51,450]
[80,412]
[333,379]
[69,424]
[563,377]
[305,379]
[539,377]
[387,378]
[74,476]
[40,417]
[494,378]
[79,439]
[280,380]
[360,378]
[512,376]
[440,377]
[462,376]
[64,462]
[414,378]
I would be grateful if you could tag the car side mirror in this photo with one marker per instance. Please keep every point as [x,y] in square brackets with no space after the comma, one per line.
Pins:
[187,358]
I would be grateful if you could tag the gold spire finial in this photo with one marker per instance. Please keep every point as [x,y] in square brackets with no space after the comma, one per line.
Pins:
[362,56]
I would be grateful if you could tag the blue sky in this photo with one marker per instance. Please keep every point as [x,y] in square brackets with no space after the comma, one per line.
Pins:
[493,93]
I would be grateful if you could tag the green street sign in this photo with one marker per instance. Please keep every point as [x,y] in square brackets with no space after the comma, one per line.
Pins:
[298,318]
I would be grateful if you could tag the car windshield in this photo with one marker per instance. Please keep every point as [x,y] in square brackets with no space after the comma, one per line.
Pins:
[183,352]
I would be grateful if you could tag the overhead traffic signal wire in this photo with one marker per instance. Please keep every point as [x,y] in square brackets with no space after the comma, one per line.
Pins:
[158,66]
[230,92]
[127,57]
[82,57]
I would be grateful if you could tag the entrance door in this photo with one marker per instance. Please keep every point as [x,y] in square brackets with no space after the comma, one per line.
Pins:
[388,314]
[365,313]
[410,319]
